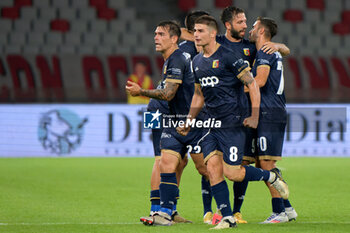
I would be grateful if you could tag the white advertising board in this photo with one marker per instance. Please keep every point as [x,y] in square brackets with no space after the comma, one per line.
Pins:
[116,130]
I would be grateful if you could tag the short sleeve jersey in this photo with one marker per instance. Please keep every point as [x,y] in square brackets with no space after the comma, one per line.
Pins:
[177,69]
[273,101]
[188,47]
[185,46]
[223,91]
[244,49]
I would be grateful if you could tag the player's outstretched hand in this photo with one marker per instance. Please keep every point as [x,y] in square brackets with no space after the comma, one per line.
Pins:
[251,122]
[183,131]
[133,88]
[269,47]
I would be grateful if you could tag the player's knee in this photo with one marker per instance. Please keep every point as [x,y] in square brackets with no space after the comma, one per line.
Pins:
[202,169]
[167,165]
[234,174]
[214,171]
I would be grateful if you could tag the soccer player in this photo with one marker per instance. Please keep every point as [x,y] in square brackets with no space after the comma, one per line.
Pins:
[195,152]
[162,107]
[268,73]
[189,47]
[178,81]
[235,22]
[221,76]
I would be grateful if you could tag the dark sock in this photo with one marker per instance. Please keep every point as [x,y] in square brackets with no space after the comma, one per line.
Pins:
[175,200]
[277,205]
[256,174]
[222,198]
[155,200]
[287,204]
[239,189]
[206,195]
[168,190]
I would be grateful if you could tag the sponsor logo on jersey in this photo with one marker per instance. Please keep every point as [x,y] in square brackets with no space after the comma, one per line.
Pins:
[209,81]
[246,51]
[216,64]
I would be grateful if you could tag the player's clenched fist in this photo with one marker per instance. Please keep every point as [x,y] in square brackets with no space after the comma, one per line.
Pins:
[251,122]
[133,88]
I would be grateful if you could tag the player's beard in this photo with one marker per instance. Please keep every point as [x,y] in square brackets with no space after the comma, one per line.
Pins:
[235,34]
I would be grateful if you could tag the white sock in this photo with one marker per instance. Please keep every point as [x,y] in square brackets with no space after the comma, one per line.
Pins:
[272,177]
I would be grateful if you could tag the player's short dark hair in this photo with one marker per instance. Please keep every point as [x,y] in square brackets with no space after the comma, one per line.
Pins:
[270,26]
[209,21]
[229,13]
[191,18]
[173,28]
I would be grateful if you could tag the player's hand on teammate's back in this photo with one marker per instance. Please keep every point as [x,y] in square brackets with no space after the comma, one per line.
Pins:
[183,131]
[270,47]
[251,122]
[133,88]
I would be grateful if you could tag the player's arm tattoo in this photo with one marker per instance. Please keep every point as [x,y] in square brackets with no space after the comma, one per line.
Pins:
[167,93]
[246,78]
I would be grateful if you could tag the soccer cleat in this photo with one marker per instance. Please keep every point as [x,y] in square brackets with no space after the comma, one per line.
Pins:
[279,184]
[276,218]
[226,222]
[159,219]
[177,218]
[238,218]
[208,217]
[291,213]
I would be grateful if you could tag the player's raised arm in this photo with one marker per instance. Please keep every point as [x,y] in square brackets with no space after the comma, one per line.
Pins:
[271,47]
[167,93]
[186,35]
[254,93]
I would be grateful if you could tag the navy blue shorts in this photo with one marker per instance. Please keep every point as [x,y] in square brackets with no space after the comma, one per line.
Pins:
[266,142]
[174,143]
[228,142]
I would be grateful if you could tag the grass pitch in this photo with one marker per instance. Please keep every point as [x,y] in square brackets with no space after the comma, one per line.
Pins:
[110,194]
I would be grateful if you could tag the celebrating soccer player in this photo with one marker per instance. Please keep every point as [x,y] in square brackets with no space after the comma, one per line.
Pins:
[221,75]
[178,89]
[268,73]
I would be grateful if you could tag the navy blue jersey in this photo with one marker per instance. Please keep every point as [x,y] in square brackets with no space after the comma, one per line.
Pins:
[243,49]
[188,47]
[161,105]
[177,68]
[273,101]
[223,91]
[154,104]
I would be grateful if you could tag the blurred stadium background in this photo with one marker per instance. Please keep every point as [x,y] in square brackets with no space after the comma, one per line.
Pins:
[63,69]
[83,50]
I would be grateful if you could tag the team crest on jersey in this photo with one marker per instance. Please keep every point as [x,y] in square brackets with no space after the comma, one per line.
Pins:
[246,51]
[164,71]
[215,63]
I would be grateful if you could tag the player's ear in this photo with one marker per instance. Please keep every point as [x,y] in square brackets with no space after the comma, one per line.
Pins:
[261,30]
[227,25]
[174,39]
